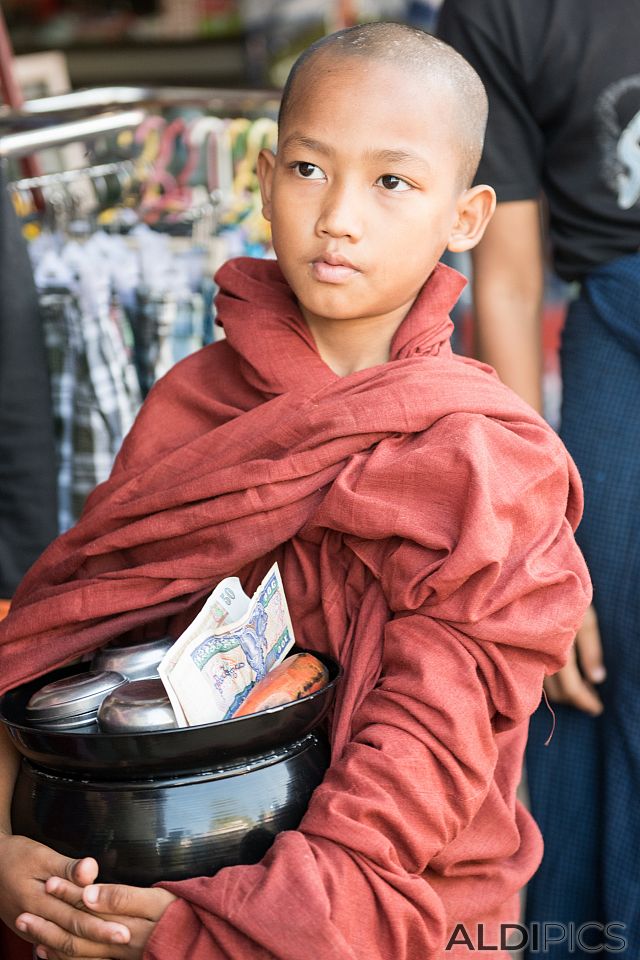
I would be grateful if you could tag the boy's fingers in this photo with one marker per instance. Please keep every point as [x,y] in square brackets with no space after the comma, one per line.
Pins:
[49,907]
[75,932]
[66,891]
[126,901]
[46,953]
[50,862]
[55,955]
[71,894]
[82,872]
[589,648]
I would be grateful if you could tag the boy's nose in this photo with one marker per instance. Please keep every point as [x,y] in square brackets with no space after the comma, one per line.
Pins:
[341,214]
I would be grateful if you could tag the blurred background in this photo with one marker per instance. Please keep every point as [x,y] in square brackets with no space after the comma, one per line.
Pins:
[230,42]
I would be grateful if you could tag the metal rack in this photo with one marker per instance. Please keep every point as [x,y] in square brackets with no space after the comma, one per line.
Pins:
[25,143]
[68,106]
[70,176]
[85,115]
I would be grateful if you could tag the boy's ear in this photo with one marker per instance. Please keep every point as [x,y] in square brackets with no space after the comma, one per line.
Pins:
[475,209]
[266,166]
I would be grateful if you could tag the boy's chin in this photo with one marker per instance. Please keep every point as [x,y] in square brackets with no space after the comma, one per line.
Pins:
[331,315]
[337,306]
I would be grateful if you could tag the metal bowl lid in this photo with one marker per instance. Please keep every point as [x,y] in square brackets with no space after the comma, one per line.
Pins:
[72,696]
[138,705]
[84,723]
[134,661]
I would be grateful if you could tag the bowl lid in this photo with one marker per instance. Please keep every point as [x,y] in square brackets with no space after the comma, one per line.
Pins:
[137,705]
[140,693]
[71,696]
[132,660]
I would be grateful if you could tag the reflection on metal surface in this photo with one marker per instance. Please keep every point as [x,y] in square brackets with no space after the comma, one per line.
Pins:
[68,106]
[177,827]
[22,144]
[137,706]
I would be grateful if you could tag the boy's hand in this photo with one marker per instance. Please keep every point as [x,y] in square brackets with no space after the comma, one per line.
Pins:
[573,684]
[25,866]
[121,921]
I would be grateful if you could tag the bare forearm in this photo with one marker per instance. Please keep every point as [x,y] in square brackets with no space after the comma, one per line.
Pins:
[508,338]
[9,759]
[508,292]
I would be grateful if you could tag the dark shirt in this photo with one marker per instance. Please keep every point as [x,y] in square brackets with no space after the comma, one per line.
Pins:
[563,79]
[27,455]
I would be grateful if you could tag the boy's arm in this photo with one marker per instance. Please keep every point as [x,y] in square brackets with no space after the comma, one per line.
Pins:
[508,291]
[8,772]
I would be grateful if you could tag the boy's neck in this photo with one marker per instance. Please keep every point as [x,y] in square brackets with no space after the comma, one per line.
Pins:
[347,346]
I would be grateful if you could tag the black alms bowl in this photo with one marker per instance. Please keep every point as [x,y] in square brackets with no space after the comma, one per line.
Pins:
[168,804]
[173,828]
[120,756]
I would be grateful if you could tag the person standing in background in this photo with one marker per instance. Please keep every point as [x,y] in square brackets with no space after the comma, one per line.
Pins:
[28,502]
[563,79]
[28,508]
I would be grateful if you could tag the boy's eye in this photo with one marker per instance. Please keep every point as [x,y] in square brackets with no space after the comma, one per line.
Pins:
[391,182]
[308,170]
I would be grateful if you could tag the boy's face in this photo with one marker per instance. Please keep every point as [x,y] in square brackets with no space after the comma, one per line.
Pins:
[363,193]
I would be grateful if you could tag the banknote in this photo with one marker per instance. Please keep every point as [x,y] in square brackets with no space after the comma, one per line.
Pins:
[233,642]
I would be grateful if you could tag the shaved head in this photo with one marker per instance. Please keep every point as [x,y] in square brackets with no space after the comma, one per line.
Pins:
[432,66]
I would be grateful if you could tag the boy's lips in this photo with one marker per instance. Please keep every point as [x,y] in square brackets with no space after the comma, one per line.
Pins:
[333,268]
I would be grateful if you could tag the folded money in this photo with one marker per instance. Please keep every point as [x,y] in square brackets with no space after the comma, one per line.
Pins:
[232,643]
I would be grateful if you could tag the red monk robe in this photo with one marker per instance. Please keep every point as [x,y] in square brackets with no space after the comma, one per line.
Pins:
[422,518]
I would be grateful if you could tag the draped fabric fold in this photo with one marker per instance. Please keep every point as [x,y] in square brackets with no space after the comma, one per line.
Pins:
[422,518]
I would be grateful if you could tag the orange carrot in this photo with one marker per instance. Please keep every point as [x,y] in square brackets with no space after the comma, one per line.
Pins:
[295,677]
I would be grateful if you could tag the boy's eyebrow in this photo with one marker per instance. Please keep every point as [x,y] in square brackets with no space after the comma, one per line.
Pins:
[397,156]
[299,141]
[386,156]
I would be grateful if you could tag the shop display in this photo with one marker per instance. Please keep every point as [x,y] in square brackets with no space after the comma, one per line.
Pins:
[27,524]
[123,256]
[63,23]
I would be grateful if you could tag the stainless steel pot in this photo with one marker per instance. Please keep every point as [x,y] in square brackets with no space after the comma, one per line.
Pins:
[135,661]
[135,707]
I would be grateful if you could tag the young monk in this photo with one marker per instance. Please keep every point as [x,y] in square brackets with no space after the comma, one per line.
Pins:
[421,514]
